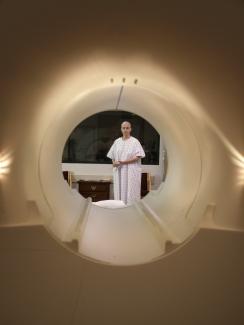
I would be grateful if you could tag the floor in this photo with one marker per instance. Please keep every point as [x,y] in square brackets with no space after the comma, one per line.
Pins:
[43,283]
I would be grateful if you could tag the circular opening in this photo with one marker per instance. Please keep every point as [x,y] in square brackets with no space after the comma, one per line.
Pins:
[138,233]
[115,158]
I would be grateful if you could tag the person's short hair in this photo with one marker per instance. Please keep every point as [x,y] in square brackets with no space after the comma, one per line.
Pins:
[126,122]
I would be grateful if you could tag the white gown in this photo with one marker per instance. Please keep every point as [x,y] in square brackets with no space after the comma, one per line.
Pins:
[127,178]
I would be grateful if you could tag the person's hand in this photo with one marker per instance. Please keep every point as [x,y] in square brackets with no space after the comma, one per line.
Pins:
[116,164]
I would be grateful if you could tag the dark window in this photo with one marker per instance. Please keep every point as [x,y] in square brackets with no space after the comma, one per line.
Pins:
[91,139]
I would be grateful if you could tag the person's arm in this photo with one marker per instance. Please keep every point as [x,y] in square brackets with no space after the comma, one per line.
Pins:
[111,155]
[129,161]
[139,153]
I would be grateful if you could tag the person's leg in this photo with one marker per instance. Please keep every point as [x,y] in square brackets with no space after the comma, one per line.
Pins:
[116,183]
[124,183]
[134,184]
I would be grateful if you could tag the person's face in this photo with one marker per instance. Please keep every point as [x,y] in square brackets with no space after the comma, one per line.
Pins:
[126,129]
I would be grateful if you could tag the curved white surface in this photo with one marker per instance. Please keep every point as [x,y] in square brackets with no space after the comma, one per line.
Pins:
[135,234]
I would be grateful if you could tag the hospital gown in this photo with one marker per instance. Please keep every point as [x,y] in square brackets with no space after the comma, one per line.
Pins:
[127,177]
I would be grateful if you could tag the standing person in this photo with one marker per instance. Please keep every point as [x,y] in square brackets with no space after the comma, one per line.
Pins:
[126,153]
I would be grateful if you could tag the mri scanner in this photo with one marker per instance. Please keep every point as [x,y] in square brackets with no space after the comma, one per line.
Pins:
[204,181]
[173,213]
